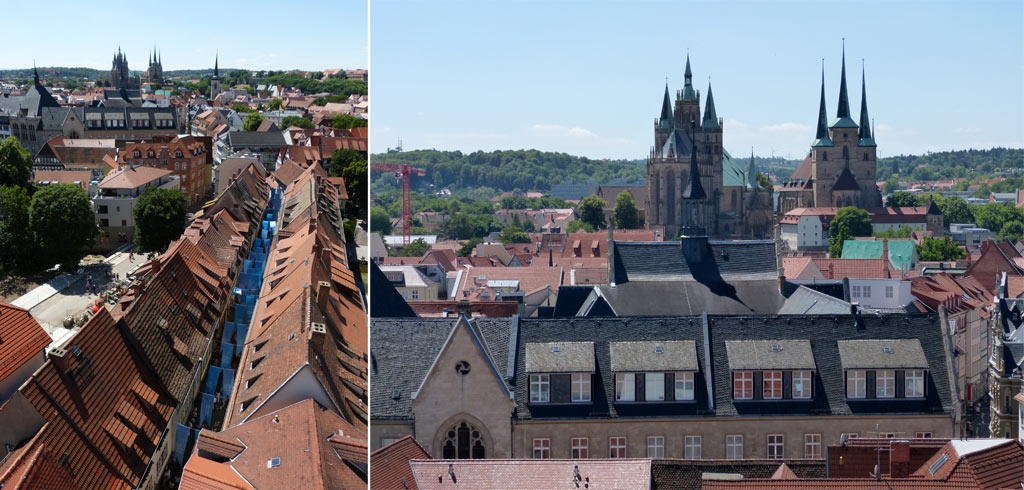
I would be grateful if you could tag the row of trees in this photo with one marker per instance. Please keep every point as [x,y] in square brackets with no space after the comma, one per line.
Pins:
[969,164]
[1005,219]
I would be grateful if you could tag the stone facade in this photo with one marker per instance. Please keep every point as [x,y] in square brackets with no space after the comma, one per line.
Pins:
[120,75]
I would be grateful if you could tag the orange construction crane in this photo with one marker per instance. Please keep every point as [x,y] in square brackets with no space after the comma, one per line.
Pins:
[402,171]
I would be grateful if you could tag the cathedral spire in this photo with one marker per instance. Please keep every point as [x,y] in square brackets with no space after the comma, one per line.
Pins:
[688,93]
[694,189]
[843,119]
[752,171]
[35,73]
[821,137]
[665,122]
[710,117]
[216,70]
[865,129]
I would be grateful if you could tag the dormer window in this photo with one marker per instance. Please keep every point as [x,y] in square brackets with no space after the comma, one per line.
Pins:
[771,369]
[560,372]
[654,371]
[880,369]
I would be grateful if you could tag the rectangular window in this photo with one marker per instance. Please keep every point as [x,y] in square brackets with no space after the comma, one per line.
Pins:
[581,387]
[540,388]
[691,447]
[625,387]
[616,447]
[856,384]
[541,448]
[684,385]
[415,294]
[855,291]
[776,446]
[867,291]
[812,446]
[923,435]
[654,387]
[885,383]
[845,436]
[888,291]
[743,385]
[801,385]
[656,446]
[772,385]
[580,448]
[915,383]
[734,446]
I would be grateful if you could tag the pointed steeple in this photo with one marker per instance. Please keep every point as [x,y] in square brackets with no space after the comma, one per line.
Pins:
[694,189]
[688,93]
[665,122]
[843,119]
[752,171]
[821,137]
[865,127]
[710,117]
[35,73]
[216,70]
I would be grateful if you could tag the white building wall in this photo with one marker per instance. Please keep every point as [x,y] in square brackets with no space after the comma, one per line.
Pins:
[874,293]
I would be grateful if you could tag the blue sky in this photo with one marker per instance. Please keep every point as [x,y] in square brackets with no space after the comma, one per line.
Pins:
[253,34]
[587,78]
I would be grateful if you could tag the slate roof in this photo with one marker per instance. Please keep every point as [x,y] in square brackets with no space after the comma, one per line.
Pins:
[871,354]
[33,101]
[385,300]
[389,465]
[676,474]
[769,354]
[677,145]
[256,139]
[21,338]
[672,355]
[806,301]
[845,181]
[664,261]
[404,349]
[562,357]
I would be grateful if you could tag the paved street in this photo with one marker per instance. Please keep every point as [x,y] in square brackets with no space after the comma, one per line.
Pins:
[74,299]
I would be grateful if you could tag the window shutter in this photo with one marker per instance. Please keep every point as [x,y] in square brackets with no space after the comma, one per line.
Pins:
[640,385]
[869,389]
[758,385]
[787,385]
[901,384]
[670,387]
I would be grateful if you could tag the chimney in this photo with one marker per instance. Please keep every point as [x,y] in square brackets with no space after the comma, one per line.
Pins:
[465,308]
[899,459]
[611,252]
[156,266]
[885,251]
[853,308]
[317,336]
[323,291]
[61,359]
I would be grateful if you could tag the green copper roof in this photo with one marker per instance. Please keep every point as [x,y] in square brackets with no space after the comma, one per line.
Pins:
[688,93]
[710,117]
[843,112]
[901,252]
[665,122]
[842,122]
[733,173]
[821,136]
[865,123]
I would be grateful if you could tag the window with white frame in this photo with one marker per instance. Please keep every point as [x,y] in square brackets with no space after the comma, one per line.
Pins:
[776,446]
[802,385]
[856,383]
[914,383]
[925,435]
[845,436]
[812,446]
[855,291]
[541,448]
[743,385]
[655,446]
[580,447]
[888,291]
[581,387]
[867,291]
[415,294]
[692,447]
[616,447]
[684,385]
[625,387]
[734,446]
[654,387]
[772,385]
[885,383]
[540,388]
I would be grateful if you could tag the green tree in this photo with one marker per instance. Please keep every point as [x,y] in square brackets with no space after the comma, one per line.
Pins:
[994,215]
[380,221]
[16,246]
[513,202]
[903,232]
[892,184]
[578,225]
[347,121]
[63,224]
[513,234]
[350,165]
[159,218]
[297,121]
[467,248]
[900,199]
[955,210]
[765,182]
[938,249]
[15,163]
[276,103]
[849,222]
[252,123]
[591,211]
[240,107]
[416,248]
[626,215]
[1012,230]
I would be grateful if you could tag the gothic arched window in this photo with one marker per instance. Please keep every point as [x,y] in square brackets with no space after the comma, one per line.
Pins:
[824,156]
[733,199]
[865,156]
[463,442]
[846,153]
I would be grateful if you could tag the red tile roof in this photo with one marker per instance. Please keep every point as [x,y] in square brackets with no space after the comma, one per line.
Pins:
[855,268]
[21,338]
[132,177]
[80,178]
[202,474]
[389,465]
[33,466]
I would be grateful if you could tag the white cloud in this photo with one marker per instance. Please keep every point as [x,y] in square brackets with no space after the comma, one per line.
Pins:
[786,127]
